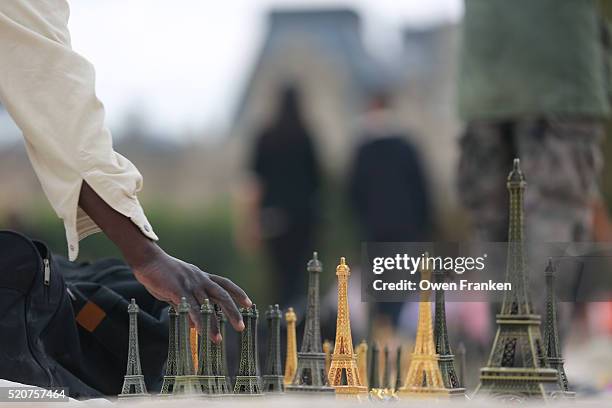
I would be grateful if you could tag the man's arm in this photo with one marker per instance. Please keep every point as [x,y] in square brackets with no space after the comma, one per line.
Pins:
[49,91]
[167,278]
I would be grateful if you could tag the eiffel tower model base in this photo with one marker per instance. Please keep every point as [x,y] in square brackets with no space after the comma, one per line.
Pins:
[133,387]
[350,389]
[517,384]
[447,368]
[223,384]
[187,385]
[208,384]
[167,387]
[273,383]
[248,385]
[309,363]
[430,392]
[562,395]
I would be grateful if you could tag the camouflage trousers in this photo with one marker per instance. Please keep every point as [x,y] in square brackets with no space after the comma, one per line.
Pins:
[561,161]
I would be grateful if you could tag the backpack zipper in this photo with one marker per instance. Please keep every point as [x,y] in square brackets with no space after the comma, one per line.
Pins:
[47,274]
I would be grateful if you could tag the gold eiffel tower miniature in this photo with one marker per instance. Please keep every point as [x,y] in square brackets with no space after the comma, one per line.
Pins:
[362,361]
[327,349]
[343,373]
[424,377]
[291,359]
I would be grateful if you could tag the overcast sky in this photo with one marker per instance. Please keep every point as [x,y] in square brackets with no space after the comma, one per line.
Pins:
[185,62]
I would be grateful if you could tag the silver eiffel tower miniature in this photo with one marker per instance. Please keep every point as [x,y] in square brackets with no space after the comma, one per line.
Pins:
[133,382]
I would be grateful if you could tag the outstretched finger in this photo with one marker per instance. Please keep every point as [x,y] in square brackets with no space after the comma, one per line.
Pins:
[214,326]
[194,313]
[234,290]
[215,334]
[224,300]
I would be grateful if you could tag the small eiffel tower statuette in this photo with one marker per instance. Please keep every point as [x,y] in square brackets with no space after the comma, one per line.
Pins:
[273,378]
[446,359]
[362,361]
[187,383]
[374,367]
[343,373]
[291,358]
[171,363]
[461,362]
[399,378]
[206,361]
[386,382]
[551,335]
[133,382]
[517,350]
[424,377]
[220,356]
[310,373]
[247,381]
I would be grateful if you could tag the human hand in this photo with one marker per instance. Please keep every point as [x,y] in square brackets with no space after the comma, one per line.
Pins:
[168,279]
[165,277]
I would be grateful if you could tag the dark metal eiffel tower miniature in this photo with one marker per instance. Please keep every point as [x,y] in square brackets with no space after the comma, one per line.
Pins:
[133,382]
[373,367]
[254,335]
[171,363]
[386,381]
[517,367]
[247,381]
[551,334]
[446,359]
[186,380]
[461,362]
[273,377]
[205,373]
[310,374]
[220,356]
[399,378]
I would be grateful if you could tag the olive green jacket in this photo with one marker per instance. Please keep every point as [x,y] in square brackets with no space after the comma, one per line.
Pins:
[533,58]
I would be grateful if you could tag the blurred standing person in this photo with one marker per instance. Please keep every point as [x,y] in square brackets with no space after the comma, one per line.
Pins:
[532,85]
[284,199]
[388,187]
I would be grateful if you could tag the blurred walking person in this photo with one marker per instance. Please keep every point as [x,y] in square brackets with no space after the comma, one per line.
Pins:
[388,187]
[284,201]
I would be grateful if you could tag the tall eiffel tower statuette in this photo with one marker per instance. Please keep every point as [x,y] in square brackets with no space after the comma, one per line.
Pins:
[291,357]
[343,373]
[551,335]
[247,381]
[446,359]
[186,383]
[273,378]
[517,367]
[206,360]
[310,374]
[424,378]
[133,382]
[219,356]
[171,363]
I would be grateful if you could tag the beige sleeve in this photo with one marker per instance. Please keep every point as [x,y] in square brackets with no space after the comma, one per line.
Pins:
[49,91]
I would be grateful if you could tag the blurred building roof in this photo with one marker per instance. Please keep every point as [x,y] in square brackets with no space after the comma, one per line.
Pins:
[334,34]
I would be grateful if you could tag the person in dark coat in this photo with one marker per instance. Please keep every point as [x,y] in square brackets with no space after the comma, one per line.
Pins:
[287,175]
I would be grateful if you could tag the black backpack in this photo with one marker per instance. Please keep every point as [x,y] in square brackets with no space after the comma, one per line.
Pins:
[65,324]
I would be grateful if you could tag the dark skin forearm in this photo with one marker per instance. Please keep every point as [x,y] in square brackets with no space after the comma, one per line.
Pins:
[133,244]
[165,277]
